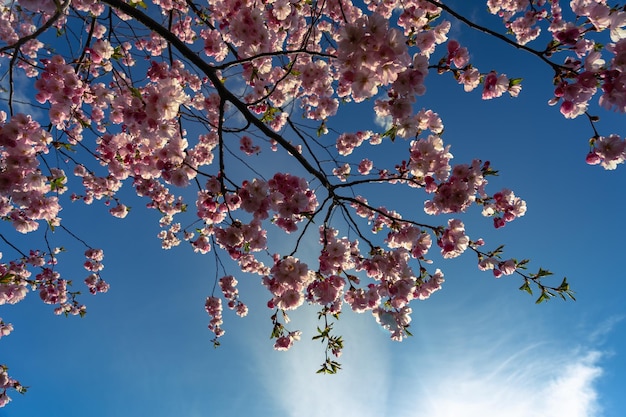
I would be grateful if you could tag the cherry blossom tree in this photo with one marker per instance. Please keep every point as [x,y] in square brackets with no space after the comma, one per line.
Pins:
[178,101]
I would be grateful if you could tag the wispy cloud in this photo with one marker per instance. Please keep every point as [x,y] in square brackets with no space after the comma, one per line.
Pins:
[457,371]
[534,383]
[602,330]
[359,389]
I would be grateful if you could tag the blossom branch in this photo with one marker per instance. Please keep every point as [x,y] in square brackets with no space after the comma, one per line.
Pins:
[556,67]
[211,73]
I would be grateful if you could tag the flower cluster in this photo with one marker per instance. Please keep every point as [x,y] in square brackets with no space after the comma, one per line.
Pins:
[459,191]
[499,267]
[430,158]
[370,55]
[607,151]
[327,292]
[453,241]
[94,282]
[213,307]
[24,188]
[6,382]
[285,342]
[228,285]
[289,278]
[586,67]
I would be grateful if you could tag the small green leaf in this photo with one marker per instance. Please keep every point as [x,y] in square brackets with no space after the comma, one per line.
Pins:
[526,287]
[542,298]
[269,114]
[322,129]
[391,133]
[134,91]
[57,184]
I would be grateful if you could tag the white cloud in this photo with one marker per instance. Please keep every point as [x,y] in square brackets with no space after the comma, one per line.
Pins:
[383,121]
[535,383]
[462,370]
[604,328]
[360,388]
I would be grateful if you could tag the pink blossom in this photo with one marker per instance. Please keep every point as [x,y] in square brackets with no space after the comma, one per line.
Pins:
[365,166]
[453,242]
[487,263]
[427,288]
[326,291]
[507,267]
[285,342]
[393,321]
[120,211]
[361,300]
[495,85]
[506,204]
[247,147]
[457,55]
[608,151]
[5,328]
[470,78]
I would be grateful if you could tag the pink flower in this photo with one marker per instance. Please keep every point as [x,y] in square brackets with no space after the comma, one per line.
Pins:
[507,267]
[487,263]
[247,146]
[5,328]
[365,166]
[326,291]
[495,85]
[4,399]
[361,300]
[608,151]
[285,342]
[453,242]
[120,211]
[470,78]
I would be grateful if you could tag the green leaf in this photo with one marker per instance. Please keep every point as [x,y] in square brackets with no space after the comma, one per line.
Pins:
[140,3]
[526,287]
[321,129]
[57,184]
[7,279]
[269,114]
[391,133]
[134,91]
[541,273]
[117,53]
[542,298]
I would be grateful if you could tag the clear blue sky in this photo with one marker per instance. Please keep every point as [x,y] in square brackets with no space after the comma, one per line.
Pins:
[480,346]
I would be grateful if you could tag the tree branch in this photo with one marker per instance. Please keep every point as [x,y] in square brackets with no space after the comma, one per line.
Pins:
[556,67]
[225,93]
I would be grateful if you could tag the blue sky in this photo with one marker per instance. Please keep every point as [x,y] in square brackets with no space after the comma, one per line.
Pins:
[480,346]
